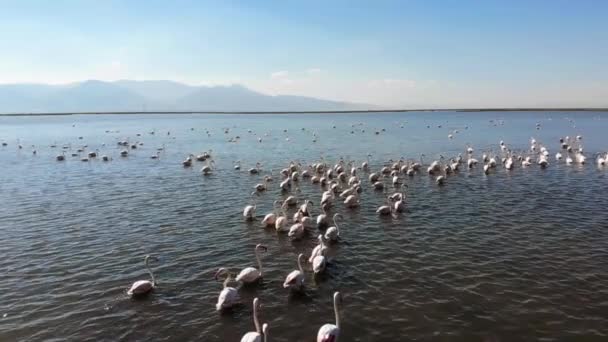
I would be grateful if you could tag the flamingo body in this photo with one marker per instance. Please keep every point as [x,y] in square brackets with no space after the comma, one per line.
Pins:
[140,287]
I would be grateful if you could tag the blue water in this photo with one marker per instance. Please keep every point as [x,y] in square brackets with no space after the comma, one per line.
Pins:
[513,255]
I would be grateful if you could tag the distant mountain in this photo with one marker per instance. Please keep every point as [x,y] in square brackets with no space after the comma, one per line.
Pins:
[127,95]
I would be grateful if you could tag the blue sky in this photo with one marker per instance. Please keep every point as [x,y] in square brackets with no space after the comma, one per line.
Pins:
[388,53]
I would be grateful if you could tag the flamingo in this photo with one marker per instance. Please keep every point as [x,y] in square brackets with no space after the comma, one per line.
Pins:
[186,163]
[258,334]
[509,163]
[318,264]
[347,192]
[327,198]
[319,249]
[333,232]
[322,218]
[206,170]
[281,222]
[330,332]
[291,201]
[270,219]
[295,279]
[385,209]
[255,170]
[580,158]
[352,201]
[249,211]
[399,205]
[317,257]
[286,184]
[262,186]
[304,208]
[229,296]
[251,274]
[296,231]
[142,287]
[373,177]
[601,161]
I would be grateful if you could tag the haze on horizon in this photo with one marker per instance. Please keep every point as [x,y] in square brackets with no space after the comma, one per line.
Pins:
[414,54]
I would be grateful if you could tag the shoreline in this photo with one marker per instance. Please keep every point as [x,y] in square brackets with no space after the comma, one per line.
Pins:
[460,110]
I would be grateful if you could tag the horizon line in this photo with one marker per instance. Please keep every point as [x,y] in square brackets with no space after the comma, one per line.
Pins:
[523,109]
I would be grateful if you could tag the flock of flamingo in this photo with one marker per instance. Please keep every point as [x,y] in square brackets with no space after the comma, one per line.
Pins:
[340,181]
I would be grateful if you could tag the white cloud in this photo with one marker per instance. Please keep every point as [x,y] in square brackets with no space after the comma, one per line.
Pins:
[279,75]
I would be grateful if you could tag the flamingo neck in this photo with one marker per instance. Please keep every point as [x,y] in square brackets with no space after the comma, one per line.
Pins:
[227,281]
[336,224]
[336,312]
[265,332]
[300,264]
[256,321]
[150,271]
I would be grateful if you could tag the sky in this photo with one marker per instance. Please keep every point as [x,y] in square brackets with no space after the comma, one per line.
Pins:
[393,54]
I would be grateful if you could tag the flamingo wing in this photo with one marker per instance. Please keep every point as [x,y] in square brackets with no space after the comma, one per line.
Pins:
[292,279]
[251,336]
[318,264]
[140,287]
[248,275]
[328,333]
[227,298]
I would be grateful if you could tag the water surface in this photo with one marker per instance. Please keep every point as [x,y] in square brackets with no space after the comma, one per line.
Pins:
[519,255]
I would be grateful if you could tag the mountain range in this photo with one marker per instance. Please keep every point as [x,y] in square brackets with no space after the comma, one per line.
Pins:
[128,95]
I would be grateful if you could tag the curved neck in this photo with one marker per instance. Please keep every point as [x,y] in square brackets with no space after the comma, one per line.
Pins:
[150,271]
[300,264]
[257,256]
[256,321]
[336,224]
[336,312]
[227,281]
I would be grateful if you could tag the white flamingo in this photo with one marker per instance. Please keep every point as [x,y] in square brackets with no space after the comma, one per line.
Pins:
[295,279]
[260,333]
[229,296]
[352,201]
[330,332]
[305,208]
[317,257]
[206,170]
[281,222]
[385,209]
[249,211]
[251,274]
[270,218]
[399,205]
[291,201]
[141,287]
[327,198]
[332,233]
[296,231]
[322,218]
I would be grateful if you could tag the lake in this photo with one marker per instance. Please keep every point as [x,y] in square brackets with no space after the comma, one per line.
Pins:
[519,255]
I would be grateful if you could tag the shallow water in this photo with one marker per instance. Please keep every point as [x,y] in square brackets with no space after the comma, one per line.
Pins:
[514,255]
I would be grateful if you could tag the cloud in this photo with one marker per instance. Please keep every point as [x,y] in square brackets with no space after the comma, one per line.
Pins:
[279,75]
